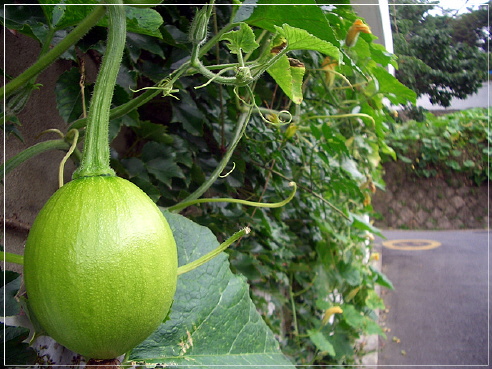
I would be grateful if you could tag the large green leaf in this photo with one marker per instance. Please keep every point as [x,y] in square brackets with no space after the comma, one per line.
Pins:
[213,320]
[360,321]
[321,342]
[164,170]
[289,77]
[14,350]
[269,14]
[300,39]
[28,20]
[186,111]
[8,291]
[144,21]
[66,15]
[393,89]
[288,73]
[139,20]
[242,39]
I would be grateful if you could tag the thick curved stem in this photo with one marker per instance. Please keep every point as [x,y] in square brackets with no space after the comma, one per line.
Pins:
[95,158]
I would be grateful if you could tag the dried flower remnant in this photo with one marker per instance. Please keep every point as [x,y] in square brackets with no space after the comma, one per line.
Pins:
[329,64]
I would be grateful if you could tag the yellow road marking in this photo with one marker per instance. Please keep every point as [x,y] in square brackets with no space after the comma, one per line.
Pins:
[411,245]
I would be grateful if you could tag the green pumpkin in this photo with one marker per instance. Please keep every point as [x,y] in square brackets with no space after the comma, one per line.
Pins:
[100,266]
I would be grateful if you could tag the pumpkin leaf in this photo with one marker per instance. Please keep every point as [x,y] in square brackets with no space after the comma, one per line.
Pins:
[242,39]
[321,342]
[164,170]
[144,21]
[305,14]
[289,77]
[209,297]
[300,39]
[14,351]
[393,89]
[62,16]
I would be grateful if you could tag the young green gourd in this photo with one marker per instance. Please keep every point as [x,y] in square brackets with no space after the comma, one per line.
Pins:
[100,266]
[100,263]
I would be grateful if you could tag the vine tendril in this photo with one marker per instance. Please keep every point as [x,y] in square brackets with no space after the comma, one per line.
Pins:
[69,152]
[209,256]
[229,172]
[279,204]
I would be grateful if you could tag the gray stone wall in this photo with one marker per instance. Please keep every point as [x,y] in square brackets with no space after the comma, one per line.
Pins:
[429,203]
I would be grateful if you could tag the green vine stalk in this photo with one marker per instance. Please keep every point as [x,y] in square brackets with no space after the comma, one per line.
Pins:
[31,152]
[48,58]
[95,158]
[209,256]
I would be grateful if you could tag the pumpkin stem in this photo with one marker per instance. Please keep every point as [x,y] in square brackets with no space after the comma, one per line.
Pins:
[95,157]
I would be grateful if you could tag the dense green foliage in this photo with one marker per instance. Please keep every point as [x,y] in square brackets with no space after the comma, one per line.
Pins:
[457,143]
[435,56]
[308,263]
[472,27]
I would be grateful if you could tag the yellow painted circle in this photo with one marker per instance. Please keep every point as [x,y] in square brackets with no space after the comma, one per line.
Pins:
[411,245]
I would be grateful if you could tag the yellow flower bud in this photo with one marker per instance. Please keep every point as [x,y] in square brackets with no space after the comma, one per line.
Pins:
[375,256]
[290,131]
[273,119]
[353,33]
[351,294]
[329,312]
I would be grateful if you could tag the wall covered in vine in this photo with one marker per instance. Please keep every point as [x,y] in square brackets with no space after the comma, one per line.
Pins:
[270,117]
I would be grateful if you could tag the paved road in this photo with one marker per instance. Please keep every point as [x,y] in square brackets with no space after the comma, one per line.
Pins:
[438,313]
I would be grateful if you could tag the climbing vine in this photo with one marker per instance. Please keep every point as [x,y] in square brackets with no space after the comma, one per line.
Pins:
[239,103]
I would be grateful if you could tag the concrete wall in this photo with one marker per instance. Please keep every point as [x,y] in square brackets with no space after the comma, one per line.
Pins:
[30,185]
[481,99]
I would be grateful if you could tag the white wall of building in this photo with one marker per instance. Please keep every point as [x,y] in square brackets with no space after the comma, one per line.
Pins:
[481,99]
[376,15]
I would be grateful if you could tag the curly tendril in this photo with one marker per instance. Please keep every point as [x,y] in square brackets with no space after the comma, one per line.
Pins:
[61,169]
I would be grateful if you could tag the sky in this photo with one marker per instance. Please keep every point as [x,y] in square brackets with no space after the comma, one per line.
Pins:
[461,4]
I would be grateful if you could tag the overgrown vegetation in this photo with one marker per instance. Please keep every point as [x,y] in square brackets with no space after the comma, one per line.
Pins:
[447,145]
[308,263]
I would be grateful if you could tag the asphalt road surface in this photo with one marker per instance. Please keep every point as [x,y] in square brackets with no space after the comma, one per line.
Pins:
[438,313]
